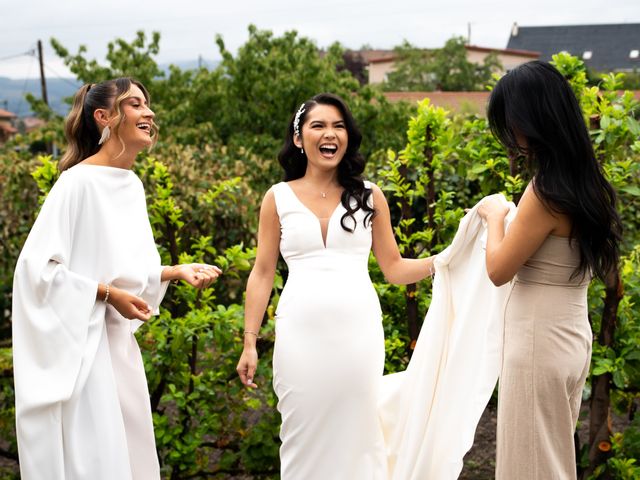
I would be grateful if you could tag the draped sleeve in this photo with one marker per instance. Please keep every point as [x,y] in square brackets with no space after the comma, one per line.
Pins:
[52,305]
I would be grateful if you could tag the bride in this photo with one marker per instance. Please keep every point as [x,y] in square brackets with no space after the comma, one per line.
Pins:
[329,350]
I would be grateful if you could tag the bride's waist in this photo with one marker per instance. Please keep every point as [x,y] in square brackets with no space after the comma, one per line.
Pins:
[327,272]
[322,290]
[327,280]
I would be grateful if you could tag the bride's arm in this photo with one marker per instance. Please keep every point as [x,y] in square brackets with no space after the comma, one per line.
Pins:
[395,268]
[259,286]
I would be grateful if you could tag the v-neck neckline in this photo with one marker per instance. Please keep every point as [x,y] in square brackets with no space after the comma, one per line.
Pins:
[325,237]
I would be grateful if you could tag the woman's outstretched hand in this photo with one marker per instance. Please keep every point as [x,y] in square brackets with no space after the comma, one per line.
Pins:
[247,366]
[198,275]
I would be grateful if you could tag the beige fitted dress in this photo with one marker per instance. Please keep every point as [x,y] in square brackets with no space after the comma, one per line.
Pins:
[547,350]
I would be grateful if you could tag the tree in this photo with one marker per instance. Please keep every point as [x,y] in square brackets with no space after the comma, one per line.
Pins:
[413,70]
[446,69]
[354,62]
[269,78]
[134,59]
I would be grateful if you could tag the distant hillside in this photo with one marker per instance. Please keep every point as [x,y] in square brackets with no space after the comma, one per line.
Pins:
[12,91]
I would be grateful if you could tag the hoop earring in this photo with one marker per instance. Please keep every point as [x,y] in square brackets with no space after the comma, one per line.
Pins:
[106,133]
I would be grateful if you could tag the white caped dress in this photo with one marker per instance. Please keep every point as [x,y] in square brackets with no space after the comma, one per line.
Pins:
[82,403]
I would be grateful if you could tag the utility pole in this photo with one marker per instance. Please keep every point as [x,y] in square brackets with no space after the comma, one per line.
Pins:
[51,147]
[43,82]
[468,33]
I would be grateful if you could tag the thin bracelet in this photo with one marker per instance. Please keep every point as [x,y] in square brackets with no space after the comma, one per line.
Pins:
[106,295]
[251,333]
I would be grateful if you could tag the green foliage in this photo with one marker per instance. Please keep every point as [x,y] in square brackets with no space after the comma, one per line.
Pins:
[45,176]
[200,408]
[623,465]
[134,59]
[8,446]
[215,159]
[622,360]
[269,78]
[484,164]
[410,180]
[446,69]
[412,70]
[573,70]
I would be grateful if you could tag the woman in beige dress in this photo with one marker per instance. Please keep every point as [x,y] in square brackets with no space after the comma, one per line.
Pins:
[566,230]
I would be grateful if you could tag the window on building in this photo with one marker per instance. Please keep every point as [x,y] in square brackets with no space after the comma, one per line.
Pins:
[587,54]
[634,53]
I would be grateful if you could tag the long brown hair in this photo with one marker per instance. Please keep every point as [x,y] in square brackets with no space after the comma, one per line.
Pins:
[80,127]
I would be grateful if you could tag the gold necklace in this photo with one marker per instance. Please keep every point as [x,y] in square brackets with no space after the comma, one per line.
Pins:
[323,193]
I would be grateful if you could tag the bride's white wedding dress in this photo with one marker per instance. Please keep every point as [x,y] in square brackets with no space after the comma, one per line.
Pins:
[341,419]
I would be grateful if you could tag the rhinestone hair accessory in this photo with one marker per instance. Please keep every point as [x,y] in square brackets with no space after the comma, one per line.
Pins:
[296,120]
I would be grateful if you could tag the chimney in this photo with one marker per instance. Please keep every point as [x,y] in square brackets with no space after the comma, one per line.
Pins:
[514,29]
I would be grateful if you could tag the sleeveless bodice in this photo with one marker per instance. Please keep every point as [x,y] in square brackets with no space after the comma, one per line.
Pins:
[553,264]
[301,243]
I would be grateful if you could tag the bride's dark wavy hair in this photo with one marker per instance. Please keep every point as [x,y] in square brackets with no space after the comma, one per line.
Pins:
[534,101]
[350,168]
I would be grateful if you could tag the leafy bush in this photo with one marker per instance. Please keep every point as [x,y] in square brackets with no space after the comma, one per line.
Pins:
[220,131]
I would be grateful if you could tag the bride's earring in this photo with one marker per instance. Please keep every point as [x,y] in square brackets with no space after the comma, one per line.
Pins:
[302,151]
[106,133]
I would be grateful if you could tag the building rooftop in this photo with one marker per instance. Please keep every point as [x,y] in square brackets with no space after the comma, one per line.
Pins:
[390,55]
[6,114]
[602,47]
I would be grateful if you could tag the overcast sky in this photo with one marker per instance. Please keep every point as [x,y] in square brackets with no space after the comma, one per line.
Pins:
[188,27]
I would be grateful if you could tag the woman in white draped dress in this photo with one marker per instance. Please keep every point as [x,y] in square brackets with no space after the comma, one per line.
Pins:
[88,274]
[329,351]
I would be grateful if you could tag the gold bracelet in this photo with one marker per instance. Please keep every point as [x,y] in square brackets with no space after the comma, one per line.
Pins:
[432,270]
[106,295]
[251,333]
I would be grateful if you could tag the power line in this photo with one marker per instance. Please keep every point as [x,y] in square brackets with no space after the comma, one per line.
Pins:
[65,79]
[29,53]
[24,88]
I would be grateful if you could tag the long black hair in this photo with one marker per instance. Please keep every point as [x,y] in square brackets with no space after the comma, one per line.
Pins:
[350,168]
[535,102]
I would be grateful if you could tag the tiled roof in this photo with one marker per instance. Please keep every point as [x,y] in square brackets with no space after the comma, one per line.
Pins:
[8,128]
[610,45]
[389,55]
[510,51]
[6,114]
[368,55]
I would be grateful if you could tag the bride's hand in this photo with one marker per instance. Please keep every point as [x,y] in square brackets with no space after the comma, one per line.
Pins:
[247,366]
